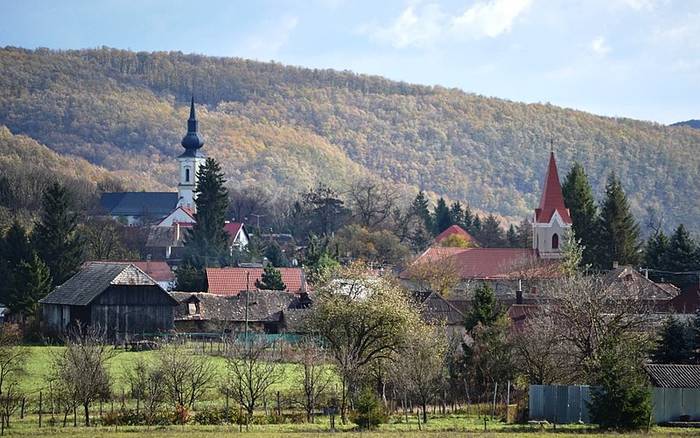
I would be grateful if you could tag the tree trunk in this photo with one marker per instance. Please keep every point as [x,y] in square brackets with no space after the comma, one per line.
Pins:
[425,414]
[344,401]
[86,407]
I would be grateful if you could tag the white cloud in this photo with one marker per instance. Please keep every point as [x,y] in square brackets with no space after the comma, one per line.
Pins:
[266,42]
[426,25]
[489,18]
[599,46]
[639,5]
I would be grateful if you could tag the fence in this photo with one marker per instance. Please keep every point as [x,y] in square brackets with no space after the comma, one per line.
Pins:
[569,403]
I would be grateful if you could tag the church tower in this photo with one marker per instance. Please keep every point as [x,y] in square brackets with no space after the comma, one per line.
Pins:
[190,161]
[552,219]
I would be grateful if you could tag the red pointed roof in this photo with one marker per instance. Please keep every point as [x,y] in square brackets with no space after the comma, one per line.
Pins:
[552,198]
[456,229]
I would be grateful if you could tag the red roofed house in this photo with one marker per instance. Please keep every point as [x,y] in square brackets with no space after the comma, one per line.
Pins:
[456,230]
[552,218]
[181,215]
[159,271]
[239,238]
[232,281]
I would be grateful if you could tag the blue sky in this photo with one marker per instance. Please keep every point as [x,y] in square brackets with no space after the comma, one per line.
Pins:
[632,58]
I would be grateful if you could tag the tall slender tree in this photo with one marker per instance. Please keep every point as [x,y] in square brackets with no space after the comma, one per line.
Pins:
[457,213]
[15,250]
[682,252]
[207,243]
[55,237]
[420,208]
[655,251]
[619,231]
[578,197]
[485,309]
[441,217]
[31,282]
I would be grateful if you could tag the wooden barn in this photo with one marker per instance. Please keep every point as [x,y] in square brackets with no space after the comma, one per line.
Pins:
[115,296]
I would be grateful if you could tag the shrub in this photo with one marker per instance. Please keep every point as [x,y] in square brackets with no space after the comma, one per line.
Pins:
[130,417]
[182,415]
[217,416]
[369,412]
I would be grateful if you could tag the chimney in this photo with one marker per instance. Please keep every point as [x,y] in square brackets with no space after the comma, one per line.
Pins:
[177,231]
[519,293]
[615,264]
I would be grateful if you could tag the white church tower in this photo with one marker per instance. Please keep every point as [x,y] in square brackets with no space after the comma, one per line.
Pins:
[190,162]
[552,219]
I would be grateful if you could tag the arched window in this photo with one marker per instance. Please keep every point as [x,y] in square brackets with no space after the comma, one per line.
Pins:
[187,175]
[555,241]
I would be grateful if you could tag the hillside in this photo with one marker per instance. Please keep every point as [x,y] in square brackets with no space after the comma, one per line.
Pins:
[287,128]
[693,123]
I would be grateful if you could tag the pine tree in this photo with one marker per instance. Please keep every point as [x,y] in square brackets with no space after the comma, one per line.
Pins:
[619,231]
[275,255]
[485,309]
[441,217]
[578,197]
[491,234]
[31,282]
[476,226]
[675,344]
[682,252]
[456,213]
[655,251]
[468,218]
[271,279]
[524,232]
[572,262]
[420,208]
[189,278]
[206,244]
[512,237]
[420,238]
[56,238]
[15,249]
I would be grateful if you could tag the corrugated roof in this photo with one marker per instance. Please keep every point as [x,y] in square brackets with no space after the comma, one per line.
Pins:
[93,278]
[674,376]
[232,281]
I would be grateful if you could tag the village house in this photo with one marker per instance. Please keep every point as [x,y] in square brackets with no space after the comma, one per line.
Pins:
[232,281]
[117,297]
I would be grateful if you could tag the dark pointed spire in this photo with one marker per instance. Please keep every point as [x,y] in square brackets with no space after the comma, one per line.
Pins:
[191,140]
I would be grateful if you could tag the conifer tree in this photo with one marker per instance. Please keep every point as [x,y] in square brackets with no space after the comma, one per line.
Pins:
[655,251]
[524,234]
[271,279]
[578,197]
[206,244]
[485,309]
[31,282]
[572,262]
[476,226]
[512,237]
[456,213]
[675,344]
[15,249]
[189,278]
[275,255]
[619,231]
[491,234]
[441,217]
[419,207]
[55,237]
[468,218]
[682,252]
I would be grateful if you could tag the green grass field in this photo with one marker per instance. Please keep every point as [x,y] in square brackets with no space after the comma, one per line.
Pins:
[438,425]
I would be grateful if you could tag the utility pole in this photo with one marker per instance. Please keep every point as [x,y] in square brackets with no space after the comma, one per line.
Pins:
[247,302]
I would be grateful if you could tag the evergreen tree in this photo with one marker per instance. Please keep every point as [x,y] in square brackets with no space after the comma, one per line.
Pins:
[512,237]
[55,237]
[206,244]
[468,218]
[578,197]
[420,238]
[572,262]
[275,255]
[31,282]
[675,344]
[619,231]
[476,226]
[420,208]
[621,398]
[524,234]
[655,251]
[456,213]
[682,252]
[189,278]
[491,235]
[441,217]
[485,309]
[271,279]
[15,250]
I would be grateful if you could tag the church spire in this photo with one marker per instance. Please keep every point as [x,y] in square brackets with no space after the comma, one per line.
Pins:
[191,140]
[552,198]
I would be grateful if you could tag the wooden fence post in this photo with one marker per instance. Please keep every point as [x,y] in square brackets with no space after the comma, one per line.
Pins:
[40,401]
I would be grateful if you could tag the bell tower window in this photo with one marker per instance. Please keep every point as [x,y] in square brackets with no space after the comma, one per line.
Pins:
[555,241]
[187,175]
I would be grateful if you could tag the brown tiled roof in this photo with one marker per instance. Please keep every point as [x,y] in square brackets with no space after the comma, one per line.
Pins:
[232,281]
[649,289]
[674,376]
[157,270]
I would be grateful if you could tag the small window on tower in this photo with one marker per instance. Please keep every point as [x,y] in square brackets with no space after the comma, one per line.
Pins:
[187,175]
[555,241]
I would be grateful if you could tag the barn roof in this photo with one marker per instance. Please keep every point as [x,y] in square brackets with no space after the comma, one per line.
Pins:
[93,279]
[232,281]
[674,376]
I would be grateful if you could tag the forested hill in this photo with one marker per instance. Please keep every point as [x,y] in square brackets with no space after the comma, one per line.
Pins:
[287,128]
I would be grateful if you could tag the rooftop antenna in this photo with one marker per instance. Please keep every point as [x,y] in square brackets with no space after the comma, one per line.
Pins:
[551,144]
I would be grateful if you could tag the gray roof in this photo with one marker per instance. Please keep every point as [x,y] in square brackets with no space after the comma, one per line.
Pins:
[674,376]
[93,279]
[139,203]
[434,308]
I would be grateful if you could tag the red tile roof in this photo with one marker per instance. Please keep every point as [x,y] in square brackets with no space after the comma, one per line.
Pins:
[456,229]
[488,263]
[159,271]
[232,228]
[231,281]
[552,198]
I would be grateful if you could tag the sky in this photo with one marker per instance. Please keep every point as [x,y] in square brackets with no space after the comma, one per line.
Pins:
[628,58]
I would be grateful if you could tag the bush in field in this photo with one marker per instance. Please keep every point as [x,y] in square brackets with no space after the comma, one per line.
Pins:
[217,416]
[131,417]
[369,412]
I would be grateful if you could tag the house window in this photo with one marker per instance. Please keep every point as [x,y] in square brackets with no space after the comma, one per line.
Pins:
[192,309]
[187,175]
[555,241]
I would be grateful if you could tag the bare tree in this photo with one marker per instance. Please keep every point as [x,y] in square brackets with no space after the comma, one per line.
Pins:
[13,356]
[147,383]
[372,202]
[439,276]
[247,201]
[81,368]
[420,365]
[10,401]
[251,369]
[186,376]
[315,377]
